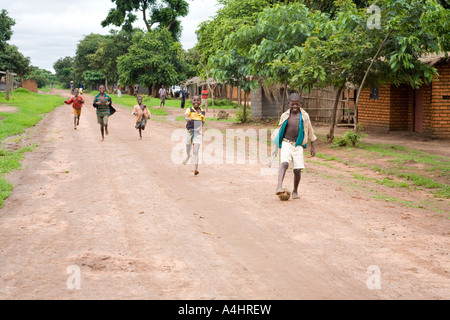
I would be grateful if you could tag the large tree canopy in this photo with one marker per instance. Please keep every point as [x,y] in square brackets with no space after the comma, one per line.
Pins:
[6,24]
[64,69]
[13,60]
[153,59]
[164,14]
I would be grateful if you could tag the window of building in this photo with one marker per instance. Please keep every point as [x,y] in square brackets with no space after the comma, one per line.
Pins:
[375,93]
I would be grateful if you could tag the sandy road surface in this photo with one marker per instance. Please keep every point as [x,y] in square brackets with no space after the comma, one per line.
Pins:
[139,226]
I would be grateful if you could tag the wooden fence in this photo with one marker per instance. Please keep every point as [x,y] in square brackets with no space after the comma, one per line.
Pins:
[9,81]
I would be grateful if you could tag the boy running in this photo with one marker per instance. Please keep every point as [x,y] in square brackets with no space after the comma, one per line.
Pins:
[103,104]
[195,118]
[77,103]
[142,114]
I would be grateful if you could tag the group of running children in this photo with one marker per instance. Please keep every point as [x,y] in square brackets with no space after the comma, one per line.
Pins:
[292,135]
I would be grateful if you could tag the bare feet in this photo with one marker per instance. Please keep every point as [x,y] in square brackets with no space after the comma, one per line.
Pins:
[295,195]
[280,191]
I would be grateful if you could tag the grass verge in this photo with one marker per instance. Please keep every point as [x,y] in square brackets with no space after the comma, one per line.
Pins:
[31,108]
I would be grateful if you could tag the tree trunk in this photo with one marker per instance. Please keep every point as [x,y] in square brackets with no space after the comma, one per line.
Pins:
[230,98]
[284,97]
[244,116]
[239,97]
[106,83]
[365,77]
[212,98]
[8,85]
[330,136]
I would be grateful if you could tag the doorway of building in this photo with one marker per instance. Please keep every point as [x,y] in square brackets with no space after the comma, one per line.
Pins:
[418,110]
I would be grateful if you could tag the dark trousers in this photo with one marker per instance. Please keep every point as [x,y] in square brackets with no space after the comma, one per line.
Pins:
[183,103]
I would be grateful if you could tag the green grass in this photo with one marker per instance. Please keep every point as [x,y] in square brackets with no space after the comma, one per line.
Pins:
[230,120]
[424,170]
[130,101]
[31,108]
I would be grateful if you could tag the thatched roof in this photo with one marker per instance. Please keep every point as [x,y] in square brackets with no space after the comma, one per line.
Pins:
[432,59]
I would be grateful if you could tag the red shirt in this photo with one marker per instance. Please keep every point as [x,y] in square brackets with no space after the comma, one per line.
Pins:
[77,102]
[205,94]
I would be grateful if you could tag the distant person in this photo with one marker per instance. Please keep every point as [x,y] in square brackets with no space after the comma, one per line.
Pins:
[72,87]
[205,94]
[162,95]
[103,103]
[294,133]
[81,88]
[142,114]
[195,118]
[119,91]
[77,103]
[183,98]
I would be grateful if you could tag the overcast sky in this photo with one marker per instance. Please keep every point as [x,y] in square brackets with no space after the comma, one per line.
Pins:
[47,30]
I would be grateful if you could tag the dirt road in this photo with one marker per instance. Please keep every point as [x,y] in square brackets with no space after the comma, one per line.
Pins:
[137,226]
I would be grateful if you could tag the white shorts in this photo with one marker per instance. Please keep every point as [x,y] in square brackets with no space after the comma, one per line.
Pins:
[292,154]
[194,136]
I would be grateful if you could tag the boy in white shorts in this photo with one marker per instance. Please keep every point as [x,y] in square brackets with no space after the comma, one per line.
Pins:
[294,133]
[195,118]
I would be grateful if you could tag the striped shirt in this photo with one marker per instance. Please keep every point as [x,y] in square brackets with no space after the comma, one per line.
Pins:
[103,107]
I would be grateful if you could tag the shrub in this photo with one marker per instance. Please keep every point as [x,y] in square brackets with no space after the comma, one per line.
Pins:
[240,115]
[350,138]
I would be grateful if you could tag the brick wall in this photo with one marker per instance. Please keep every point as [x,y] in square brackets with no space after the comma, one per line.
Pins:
[374,115]
[30,85]
[439,107]
[262,107]
[399,102]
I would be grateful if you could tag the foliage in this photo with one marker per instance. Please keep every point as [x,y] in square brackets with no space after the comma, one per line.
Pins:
[6,24]
[14,61]
[165,14]
[65,70]
[41,76]
[240,116]
[153,59]
[104,59]
[88,46]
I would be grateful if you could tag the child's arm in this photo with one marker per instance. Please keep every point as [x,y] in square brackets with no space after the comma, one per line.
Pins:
[69,102]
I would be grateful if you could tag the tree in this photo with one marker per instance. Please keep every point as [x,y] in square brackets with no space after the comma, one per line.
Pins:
[88,46]
[41,76]
[64,69]
[6,24]
[165,14]
[105,58]
[275,41]
[220,58]
[154,59]
[13,60]
[354,53]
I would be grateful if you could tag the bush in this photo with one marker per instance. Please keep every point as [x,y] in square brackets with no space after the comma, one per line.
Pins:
[21,90]
[240,115]
[350,138]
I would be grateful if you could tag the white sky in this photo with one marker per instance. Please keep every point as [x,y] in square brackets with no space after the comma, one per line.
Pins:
[47,30]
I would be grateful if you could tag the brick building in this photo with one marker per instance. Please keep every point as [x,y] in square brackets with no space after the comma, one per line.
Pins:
[425,110]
